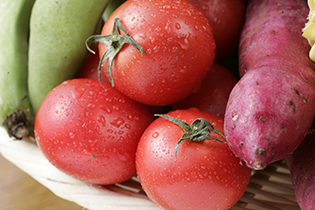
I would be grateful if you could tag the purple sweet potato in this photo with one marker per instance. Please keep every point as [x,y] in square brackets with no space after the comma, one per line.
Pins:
[302,168]
[271,108]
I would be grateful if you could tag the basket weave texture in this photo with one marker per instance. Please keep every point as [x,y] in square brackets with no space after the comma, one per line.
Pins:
[268,189]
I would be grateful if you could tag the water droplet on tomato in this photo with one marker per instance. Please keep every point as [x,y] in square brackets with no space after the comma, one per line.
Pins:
[161,70]
[109,100]
[205,8]
[92,106]
[143,36]
[71,135]
[116,108]
[156,49]
[106,109]
[121,100]
[101,119]
[184,42]
[118,122]
[178,26]
[123,155]
[77,93]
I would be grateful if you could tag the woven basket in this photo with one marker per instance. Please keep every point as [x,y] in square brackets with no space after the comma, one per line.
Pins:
[268,189]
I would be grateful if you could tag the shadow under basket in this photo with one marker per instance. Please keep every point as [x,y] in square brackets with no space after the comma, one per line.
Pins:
[269,189]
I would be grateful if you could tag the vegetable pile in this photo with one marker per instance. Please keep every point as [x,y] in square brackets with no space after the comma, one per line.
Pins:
[168,91]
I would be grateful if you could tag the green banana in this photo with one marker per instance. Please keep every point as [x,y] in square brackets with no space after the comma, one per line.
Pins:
[58,31]
[15,108]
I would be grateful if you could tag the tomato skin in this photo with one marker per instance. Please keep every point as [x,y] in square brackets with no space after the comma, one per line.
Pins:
[206,175]
[89,69]
[175,62]
[214,92]
[89,133]
[227,18]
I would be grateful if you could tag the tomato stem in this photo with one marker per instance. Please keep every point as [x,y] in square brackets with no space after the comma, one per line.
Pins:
[198,131]
[114,42]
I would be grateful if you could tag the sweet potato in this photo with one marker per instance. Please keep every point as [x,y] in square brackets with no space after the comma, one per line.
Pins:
[302,168]
[272,106]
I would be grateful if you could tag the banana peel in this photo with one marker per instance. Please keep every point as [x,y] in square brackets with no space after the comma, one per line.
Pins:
[309,29]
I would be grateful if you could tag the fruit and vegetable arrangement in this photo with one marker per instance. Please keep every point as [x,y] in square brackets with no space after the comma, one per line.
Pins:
[188,97]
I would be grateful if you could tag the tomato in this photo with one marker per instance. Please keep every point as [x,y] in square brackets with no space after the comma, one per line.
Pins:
[227,18]
[174,61]
[91,133]
[214,92]
[89,68]
[204,175]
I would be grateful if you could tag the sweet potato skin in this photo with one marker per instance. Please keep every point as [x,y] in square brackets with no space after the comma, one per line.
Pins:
[271,108]
[302,168]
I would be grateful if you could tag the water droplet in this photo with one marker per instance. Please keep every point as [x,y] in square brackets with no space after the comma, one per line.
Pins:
[121,139]
[78,92]
[155,134]
[106,109]
[121,100]
[92,106]
[71,135]
[109,100]
[101,119]
[184,42]
[143,36]
[130,117]
[161,70]
[178,26]
[116,108]
[156,49]
[123,155]
[168,28]
[118,122]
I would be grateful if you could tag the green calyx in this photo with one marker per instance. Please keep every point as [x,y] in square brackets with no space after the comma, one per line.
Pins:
[114,42]
[198,131]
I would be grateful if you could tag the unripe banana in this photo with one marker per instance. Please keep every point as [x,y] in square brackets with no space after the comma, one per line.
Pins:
[58,31]
[15,108]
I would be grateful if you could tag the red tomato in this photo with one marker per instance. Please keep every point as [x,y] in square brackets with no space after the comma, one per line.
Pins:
[227,18]
[179,46]
[206,174]
[89,133]
[214,92]
[89,68]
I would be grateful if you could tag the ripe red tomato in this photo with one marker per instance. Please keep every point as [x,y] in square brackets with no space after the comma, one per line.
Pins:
[89,133]
[206,174]
[214,92]
[89,69]
[227,18]
[179,49]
